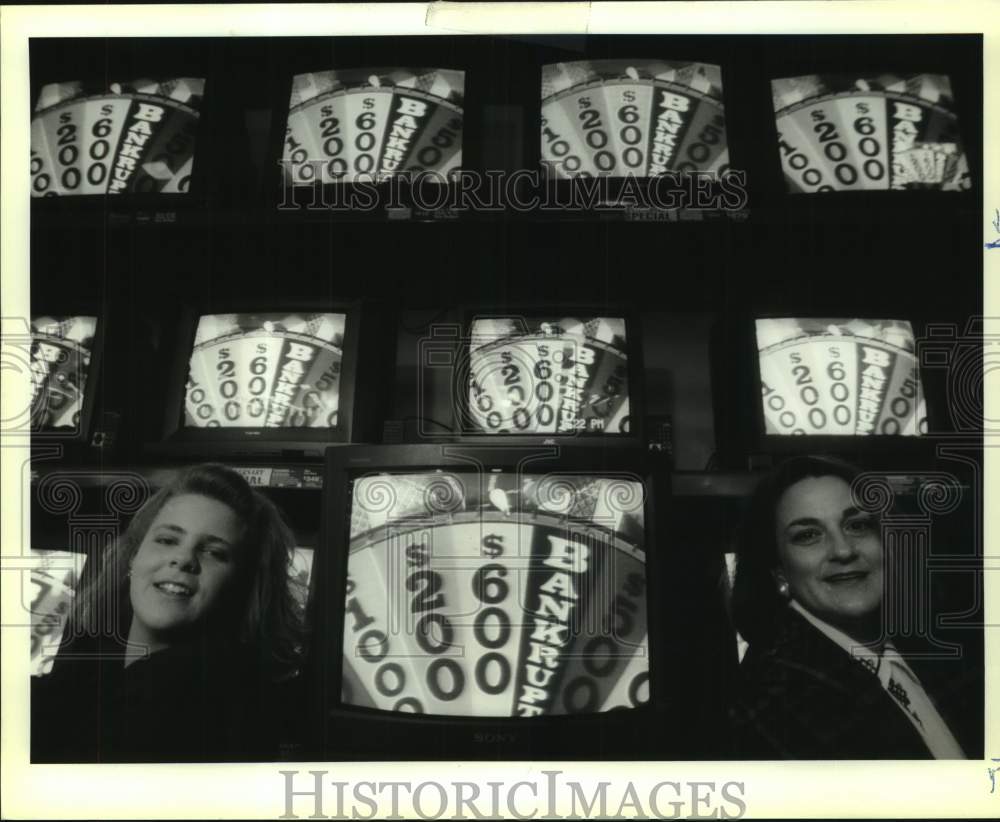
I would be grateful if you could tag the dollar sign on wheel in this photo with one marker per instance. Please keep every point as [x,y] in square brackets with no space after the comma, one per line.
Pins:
[492,545]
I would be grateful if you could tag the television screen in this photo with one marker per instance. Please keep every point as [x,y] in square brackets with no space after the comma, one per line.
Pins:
[742,646]
[548,375]
[840,376]
[618,118]
[496,594]
[116,138]
[61,351]
[299,576]
[53,586]
[371,123]
[849,133]
[267,370]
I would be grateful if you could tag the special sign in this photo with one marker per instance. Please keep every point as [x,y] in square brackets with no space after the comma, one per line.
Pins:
[877,134]
[131,138]
[549,376]
[266,371]
[498,606]
[345,126]
[60,362]
[828,378]
[617,118]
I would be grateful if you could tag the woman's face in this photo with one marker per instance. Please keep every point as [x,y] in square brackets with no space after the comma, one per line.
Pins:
[185,563]
[830,552]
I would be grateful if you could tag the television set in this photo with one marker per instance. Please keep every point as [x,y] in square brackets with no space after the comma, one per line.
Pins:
[127,136]
[300,576]
[483,602]
[66,354]
[732,560]
[887,132]
[53,584]
[129,129]
[347,125]
[637,139]
[366,141]
[277,378]
[843,383]
[632,117]
[543,374]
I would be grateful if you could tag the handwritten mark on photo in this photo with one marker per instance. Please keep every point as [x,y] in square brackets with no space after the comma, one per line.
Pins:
[996,228]
[993,776]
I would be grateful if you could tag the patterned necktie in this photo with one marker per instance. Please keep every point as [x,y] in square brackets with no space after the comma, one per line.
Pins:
[891,676]
[907,692]
[898,692]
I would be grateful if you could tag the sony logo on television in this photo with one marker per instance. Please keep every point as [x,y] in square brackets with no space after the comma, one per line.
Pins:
[495,739]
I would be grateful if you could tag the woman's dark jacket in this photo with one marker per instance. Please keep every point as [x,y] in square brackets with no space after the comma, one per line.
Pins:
[189,703]
[802,696]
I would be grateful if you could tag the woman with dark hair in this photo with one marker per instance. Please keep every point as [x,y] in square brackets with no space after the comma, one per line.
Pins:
[177,650]
[820,680]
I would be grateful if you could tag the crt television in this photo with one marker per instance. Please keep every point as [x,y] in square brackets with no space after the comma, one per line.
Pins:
[273,378]
[351,130]
[848,384]
[635,133]
[632,117]
[543,374]
[66,352]
[493,602]
[885,132]
[124,124]
[54,581]
[133,136]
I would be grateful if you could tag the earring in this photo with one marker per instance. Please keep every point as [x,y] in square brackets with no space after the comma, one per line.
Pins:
[783,588]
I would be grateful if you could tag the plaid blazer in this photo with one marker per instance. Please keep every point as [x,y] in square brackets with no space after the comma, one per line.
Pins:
[803,697]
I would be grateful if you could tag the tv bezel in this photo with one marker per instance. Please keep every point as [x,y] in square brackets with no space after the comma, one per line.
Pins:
[633,336]
[609,735]
[77,308]
[357,409]
[742,438]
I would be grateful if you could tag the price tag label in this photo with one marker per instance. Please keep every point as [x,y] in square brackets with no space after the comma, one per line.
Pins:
[256,477]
